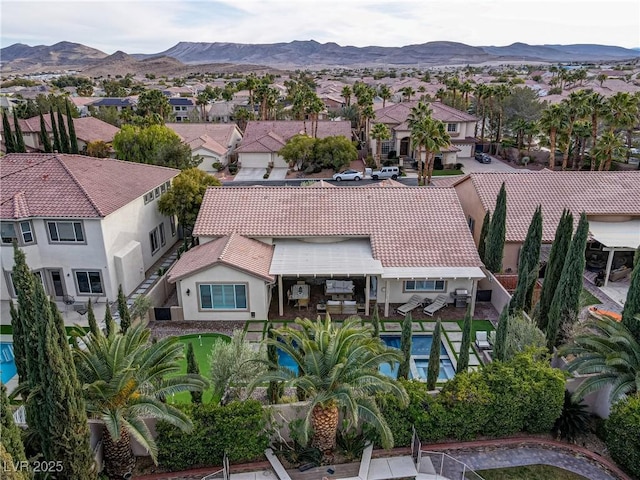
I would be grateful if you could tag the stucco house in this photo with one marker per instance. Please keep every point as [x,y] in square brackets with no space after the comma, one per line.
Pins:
[182,108]
[214,142]
[258,243]
[609,199]
[88,129]
[460,126]
[85,224]
[263,139]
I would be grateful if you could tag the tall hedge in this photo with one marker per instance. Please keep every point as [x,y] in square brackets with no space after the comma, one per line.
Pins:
[494,248]
[623,434]
[522,394]
[239,429]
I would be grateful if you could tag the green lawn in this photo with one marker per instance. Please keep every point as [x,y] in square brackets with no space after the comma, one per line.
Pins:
[587,299]
[444,173]
[202,349]
[529,472]
[477,326]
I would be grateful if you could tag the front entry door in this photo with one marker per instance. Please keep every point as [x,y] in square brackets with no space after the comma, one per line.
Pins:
[57,283]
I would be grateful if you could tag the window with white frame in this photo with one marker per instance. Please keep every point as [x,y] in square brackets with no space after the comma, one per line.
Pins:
[157,192]
[13,291]
[148,197]
[425,285]
[61,231]
[89,282]
[387,146]
[154,240]
[172,224]
[452,127]
[223,296]
[26,230]
[8,232]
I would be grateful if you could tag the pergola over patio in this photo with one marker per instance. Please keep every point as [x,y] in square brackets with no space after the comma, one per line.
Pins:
[324,258]
[615,237]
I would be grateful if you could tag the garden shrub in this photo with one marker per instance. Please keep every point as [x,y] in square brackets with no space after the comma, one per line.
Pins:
[217,166]
[467,402]
[623,434]
[239,429]
[400,420]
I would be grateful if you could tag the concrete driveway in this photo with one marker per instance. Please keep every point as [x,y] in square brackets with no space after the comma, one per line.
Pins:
[471,165]
[278,173]
[248,174]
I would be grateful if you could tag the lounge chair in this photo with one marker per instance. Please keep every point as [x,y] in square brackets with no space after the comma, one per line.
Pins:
[482,341]
[414,302]
[438,303]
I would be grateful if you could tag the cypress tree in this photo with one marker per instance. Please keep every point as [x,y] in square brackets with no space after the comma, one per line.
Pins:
[64,428]
[91,317]
[557,256]
[123,311]
[375,321]
[405,347]
[62,131]
[9,432]
[433,370]
[632,303]
[463,358]
[482,243]
[19,140]
[494,249]
[566,301]
[109,324]
[9,142]
[44,136]
[275,389]
[192,367]
[73,140]
[499,347]
[22,317]
[57,147]
[528,265]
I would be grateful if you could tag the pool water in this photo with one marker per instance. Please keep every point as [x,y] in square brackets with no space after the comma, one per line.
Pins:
[420,347]
[7,363]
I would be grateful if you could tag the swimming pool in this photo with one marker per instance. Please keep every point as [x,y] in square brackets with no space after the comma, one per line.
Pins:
[420,347]
[7,363]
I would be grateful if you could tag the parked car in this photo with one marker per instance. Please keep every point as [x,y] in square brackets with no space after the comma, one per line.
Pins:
[386,172]
[347,175]
[482,157]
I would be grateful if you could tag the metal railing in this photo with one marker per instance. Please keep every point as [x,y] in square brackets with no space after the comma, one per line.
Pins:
[448,467]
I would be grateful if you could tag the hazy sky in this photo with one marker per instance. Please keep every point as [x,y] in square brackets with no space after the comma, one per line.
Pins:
[149,27]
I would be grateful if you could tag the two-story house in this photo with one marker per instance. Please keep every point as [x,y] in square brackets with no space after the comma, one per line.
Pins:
[85,224]
[460,126]
[182,108]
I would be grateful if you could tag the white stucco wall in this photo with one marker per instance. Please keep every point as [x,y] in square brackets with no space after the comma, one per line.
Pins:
[134,222]
[90,255]
[208,158]
[397,295]
[257,294]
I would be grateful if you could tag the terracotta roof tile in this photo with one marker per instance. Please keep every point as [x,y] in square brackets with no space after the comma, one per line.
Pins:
[59,185]
[233,250]
[595,193]
[88,129]
[219,132]
[399,113]
[265,136]
[407,227]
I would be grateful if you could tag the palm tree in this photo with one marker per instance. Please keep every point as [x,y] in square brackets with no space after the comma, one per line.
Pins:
[379,132]
[602,77]
[582,132]
[384,92]
[346,94]
[465,89]
[597,108]
[609,146]
[576,108]
[553,119]
[609,354]
[623,113]
[338,371]
[417,121]
[437,139]
[202,100]
[407,92]
[125,378]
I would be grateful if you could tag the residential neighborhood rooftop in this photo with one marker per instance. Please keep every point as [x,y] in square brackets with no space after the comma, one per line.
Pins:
[87,128]
[407,227]
[61,185]
[595,193]
[398,113]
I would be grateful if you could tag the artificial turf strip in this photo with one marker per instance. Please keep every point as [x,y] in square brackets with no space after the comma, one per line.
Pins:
[202,352]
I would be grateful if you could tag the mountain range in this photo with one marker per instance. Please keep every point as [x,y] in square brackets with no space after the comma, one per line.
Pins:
[308,53]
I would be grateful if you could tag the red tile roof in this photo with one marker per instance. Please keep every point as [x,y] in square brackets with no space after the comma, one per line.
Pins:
[262,136]
[233,250]
[595,193]
[57,185]
[88,129]
[219,132]
[399,113]
[407,227]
